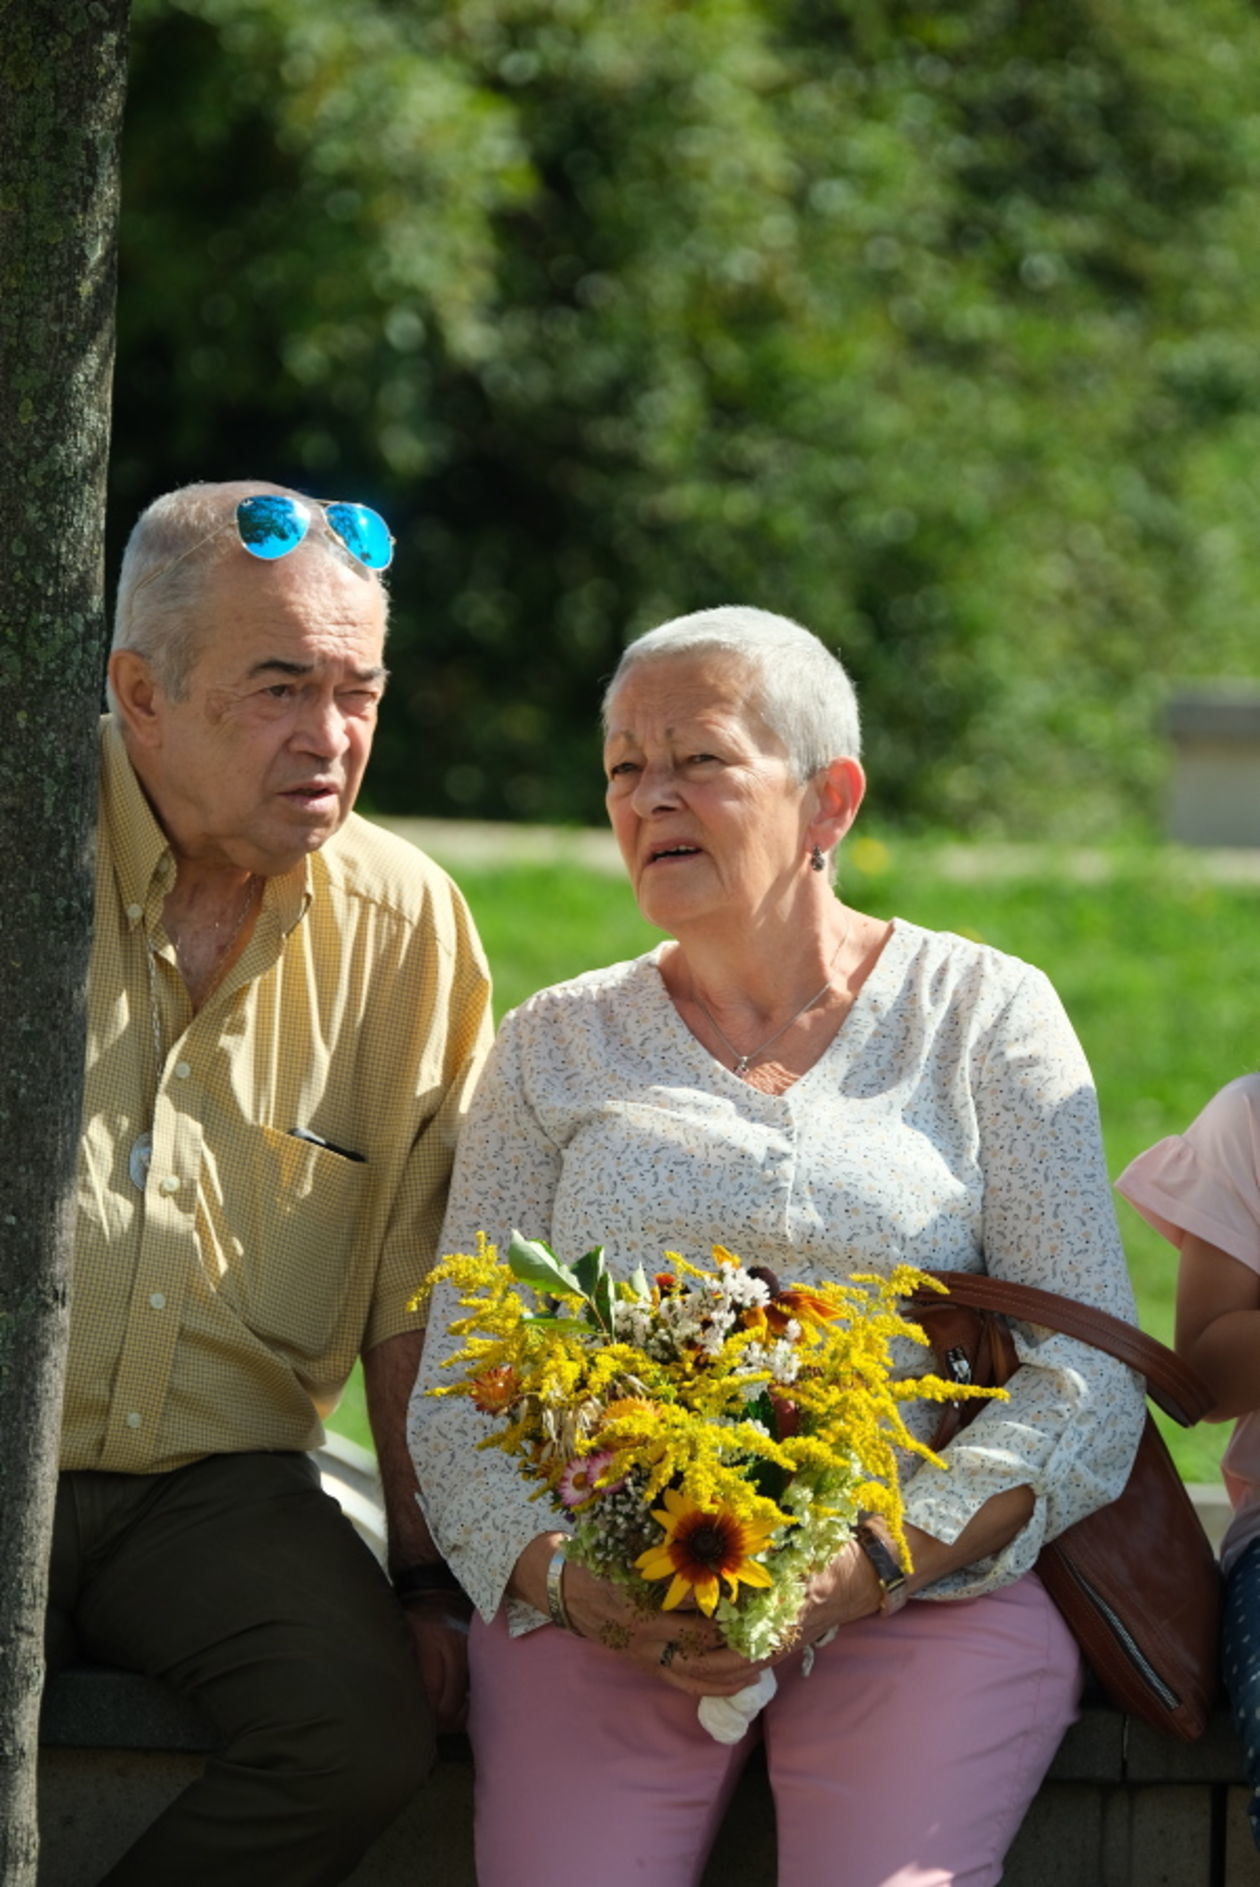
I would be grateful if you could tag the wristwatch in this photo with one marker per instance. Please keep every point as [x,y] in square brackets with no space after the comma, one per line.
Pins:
[872,1535]
[410,1582]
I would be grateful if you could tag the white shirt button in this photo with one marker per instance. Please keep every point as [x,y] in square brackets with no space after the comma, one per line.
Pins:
[135,911]
[133,1420]
[168,1184]
[158,1299]
[183,1070]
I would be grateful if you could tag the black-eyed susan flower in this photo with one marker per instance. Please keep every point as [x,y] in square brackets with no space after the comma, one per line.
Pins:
[812,1309]
[703,1546]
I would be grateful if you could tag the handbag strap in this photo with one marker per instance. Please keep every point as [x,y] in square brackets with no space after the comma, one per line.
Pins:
[1170,1382]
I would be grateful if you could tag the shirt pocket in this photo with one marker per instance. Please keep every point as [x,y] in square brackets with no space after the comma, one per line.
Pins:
[293,1277]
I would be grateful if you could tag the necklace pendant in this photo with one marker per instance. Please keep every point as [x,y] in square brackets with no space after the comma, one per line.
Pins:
[741,1066]
[139,1159]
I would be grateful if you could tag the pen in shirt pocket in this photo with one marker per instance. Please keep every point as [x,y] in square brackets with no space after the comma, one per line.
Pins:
[318,1140]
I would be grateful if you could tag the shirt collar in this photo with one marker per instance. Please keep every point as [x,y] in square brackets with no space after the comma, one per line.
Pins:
[144,865]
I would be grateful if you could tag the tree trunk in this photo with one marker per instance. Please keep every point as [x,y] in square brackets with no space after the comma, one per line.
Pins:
[62,75]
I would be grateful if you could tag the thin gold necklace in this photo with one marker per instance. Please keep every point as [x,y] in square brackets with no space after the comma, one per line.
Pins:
[743,1062]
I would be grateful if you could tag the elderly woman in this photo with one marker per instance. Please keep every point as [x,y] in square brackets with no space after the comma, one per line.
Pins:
[825,1093]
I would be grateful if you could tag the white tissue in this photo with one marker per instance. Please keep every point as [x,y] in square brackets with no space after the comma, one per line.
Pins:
[727,1718]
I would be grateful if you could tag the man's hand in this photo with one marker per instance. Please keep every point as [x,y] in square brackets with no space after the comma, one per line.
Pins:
[439,1638]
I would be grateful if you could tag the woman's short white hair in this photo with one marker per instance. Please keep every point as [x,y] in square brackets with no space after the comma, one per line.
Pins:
[802,691]
[176,541]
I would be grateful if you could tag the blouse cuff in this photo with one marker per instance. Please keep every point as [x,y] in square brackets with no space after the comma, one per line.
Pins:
[943,1504]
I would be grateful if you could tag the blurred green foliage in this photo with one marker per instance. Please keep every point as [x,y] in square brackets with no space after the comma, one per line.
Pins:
[930,325]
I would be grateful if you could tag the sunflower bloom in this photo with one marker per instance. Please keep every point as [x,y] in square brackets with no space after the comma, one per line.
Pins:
[703,1546]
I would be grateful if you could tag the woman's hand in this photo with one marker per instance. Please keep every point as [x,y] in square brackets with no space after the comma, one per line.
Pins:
[683,1648]
[846,1590]
[850,1587]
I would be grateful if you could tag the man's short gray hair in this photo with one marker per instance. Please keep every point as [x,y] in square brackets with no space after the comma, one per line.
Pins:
[801,688]
[176,542]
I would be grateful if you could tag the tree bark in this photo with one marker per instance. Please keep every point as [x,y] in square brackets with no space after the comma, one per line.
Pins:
[62,76]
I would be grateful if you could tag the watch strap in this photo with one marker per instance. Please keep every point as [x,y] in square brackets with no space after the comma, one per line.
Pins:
[434,1576]
[872,1535]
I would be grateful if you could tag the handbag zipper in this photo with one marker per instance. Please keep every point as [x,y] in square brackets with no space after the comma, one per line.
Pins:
[1128,1643]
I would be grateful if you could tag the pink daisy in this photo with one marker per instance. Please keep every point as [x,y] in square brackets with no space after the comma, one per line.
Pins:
[577,1483]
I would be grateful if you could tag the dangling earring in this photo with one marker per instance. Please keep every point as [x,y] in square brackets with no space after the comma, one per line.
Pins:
[816,860]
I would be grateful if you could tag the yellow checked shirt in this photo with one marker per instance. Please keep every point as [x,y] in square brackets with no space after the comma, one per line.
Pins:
[222,1307]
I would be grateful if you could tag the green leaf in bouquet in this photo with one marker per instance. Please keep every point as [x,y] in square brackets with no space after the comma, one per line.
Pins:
[635,1289]
[761,1409]
[532,1262]
[602,1299]
[769,1479]
[588,1271]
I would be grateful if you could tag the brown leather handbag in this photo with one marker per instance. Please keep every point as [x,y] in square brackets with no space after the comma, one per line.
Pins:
[1137,1581]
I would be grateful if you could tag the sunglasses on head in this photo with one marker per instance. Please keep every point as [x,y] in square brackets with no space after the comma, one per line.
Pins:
[271,524]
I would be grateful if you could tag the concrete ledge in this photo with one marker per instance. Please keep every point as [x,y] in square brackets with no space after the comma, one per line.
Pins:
[1230,711]
[1214,797]
[1121,1807]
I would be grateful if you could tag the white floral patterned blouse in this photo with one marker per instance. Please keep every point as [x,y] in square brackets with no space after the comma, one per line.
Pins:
[951,1123]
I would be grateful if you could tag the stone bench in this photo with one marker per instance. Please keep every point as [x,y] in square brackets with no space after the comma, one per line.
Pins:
[1121,1807]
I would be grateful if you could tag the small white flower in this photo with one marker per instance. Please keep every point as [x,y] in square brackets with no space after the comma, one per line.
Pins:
[785,1362]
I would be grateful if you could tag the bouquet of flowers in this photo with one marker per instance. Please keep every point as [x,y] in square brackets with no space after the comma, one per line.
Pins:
[712,1436]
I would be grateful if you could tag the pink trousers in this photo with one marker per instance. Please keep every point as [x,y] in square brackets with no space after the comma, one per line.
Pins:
[906,1759]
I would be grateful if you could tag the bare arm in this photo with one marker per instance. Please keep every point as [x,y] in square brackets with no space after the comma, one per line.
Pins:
[438,1619]
[389,1370]
[1218,1325]
[990,1528]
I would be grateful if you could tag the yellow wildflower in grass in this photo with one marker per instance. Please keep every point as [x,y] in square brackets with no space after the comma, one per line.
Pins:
[703,1546]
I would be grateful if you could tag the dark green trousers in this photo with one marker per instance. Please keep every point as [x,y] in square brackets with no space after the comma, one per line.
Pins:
[238,1580]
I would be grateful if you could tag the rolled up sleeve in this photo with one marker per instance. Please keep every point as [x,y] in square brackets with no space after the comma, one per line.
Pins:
[1071,1426]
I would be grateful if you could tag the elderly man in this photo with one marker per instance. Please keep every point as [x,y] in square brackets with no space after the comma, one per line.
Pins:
[287,1010]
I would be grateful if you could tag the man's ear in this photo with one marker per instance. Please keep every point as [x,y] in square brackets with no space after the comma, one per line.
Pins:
[841,788]
[136,696]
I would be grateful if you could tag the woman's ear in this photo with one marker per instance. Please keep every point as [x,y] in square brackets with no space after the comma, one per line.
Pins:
[840,787]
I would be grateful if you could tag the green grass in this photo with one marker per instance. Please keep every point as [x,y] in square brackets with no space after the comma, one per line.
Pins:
[1153,963]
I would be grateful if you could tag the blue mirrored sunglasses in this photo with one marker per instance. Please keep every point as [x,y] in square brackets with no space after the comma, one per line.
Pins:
[270,526]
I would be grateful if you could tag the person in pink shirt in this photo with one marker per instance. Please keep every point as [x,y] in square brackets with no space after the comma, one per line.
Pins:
[1201,1190]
